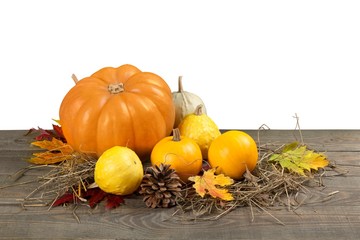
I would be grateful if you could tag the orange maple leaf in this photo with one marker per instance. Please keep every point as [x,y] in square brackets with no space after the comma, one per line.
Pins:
[208,182]
[57,151]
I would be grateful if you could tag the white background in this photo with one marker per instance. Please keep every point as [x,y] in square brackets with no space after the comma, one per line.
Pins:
[252,62]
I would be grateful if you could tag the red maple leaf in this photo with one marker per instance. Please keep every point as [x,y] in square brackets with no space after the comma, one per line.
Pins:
[94,196]
[66,198]
[114,201]
[58,133]
[45,134]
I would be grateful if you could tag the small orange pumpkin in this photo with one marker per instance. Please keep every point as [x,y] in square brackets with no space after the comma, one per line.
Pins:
[117,107]
[182,154]
[232,152]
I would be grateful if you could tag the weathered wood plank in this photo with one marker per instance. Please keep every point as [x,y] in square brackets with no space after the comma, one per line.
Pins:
[322,140]
[15,140]
[307,223]
[336,218]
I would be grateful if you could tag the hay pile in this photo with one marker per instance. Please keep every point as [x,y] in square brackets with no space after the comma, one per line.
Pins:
[268,185]
[72,175]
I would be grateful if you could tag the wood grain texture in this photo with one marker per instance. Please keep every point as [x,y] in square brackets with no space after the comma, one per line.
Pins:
[336,218]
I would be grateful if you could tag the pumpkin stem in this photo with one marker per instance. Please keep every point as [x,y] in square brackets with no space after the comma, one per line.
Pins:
[199,110]
[115,88]
[176,135]
[74,78]
[180,86]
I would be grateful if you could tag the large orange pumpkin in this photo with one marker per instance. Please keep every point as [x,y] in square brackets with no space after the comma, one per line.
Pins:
[117,106]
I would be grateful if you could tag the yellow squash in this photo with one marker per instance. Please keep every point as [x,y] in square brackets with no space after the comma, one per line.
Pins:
[201,128]
[119,171]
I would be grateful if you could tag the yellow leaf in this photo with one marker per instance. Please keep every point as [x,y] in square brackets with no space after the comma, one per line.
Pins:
[299,159]
[57,151]
[208,182]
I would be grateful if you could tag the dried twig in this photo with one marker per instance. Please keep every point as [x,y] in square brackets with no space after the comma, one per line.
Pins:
[297,127]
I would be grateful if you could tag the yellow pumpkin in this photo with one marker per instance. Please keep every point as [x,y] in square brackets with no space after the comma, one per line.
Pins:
[232,152]
[201,128]
[118,171]
[117,107]
[182,154]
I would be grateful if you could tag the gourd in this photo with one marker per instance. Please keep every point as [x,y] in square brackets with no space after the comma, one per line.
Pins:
[120,106]
[181,153]
[232,153]
[185,103]
[201,128]
[118,171]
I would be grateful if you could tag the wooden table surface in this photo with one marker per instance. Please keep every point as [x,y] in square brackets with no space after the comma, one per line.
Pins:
[336,218]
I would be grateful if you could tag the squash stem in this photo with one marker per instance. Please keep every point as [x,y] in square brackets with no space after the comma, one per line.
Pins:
[176,135]
[75,79]
[180,86]
[199,110]
[116,88]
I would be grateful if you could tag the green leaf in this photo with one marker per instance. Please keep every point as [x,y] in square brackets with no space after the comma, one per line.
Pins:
[299,159]
[290,146]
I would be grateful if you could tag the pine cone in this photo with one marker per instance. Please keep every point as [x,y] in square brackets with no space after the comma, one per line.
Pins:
[160,186]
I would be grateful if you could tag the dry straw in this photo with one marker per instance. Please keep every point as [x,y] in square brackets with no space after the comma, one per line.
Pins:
[72,175]
[267,186]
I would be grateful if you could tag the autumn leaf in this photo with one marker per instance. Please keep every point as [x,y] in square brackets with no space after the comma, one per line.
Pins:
[208,184]
[299,159]
[57,151]
[45,134]
[57,121]
[93,196]
[58,133]
[96,196]
[114,201]
[66,198]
